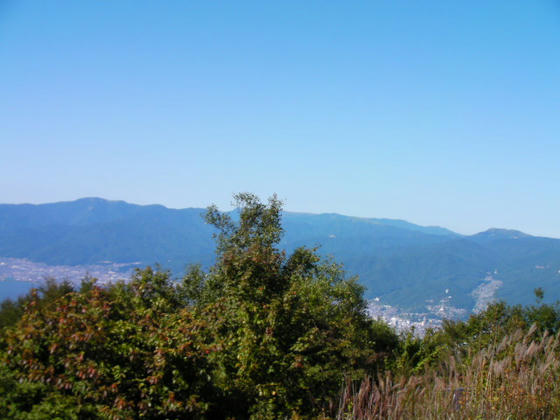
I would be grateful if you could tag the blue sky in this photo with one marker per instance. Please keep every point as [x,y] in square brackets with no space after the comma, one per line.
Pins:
[436,112]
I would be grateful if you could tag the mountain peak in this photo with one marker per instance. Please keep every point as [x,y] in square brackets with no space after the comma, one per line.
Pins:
[502,234]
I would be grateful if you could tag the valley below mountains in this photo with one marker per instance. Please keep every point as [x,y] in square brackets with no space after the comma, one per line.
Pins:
[412,273]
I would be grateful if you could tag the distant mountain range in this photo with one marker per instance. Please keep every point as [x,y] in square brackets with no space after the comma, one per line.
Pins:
[401,263]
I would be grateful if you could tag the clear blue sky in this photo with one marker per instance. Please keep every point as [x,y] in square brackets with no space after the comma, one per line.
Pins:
[437,112]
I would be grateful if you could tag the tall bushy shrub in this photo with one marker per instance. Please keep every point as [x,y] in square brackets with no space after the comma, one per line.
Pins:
[288,329]
[120,353]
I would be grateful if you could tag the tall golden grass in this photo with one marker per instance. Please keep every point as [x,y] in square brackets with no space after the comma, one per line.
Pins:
[515,378]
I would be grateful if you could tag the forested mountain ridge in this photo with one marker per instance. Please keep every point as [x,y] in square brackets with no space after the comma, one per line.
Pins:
[402,263]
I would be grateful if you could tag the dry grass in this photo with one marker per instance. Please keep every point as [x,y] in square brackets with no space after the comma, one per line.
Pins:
[516,378]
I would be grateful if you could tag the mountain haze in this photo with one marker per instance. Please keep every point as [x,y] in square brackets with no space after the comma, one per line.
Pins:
[402,263]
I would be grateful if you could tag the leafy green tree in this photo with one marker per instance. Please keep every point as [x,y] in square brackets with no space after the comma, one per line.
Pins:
[288,329]
[123,352]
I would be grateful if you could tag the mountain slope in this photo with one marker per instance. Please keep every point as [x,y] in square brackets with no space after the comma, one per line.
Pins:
[403,263]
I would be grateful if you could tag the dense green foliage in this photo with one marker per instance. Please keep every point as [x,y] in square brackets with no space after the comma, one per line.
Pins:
[292,326]
[115,353]
[261,335]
